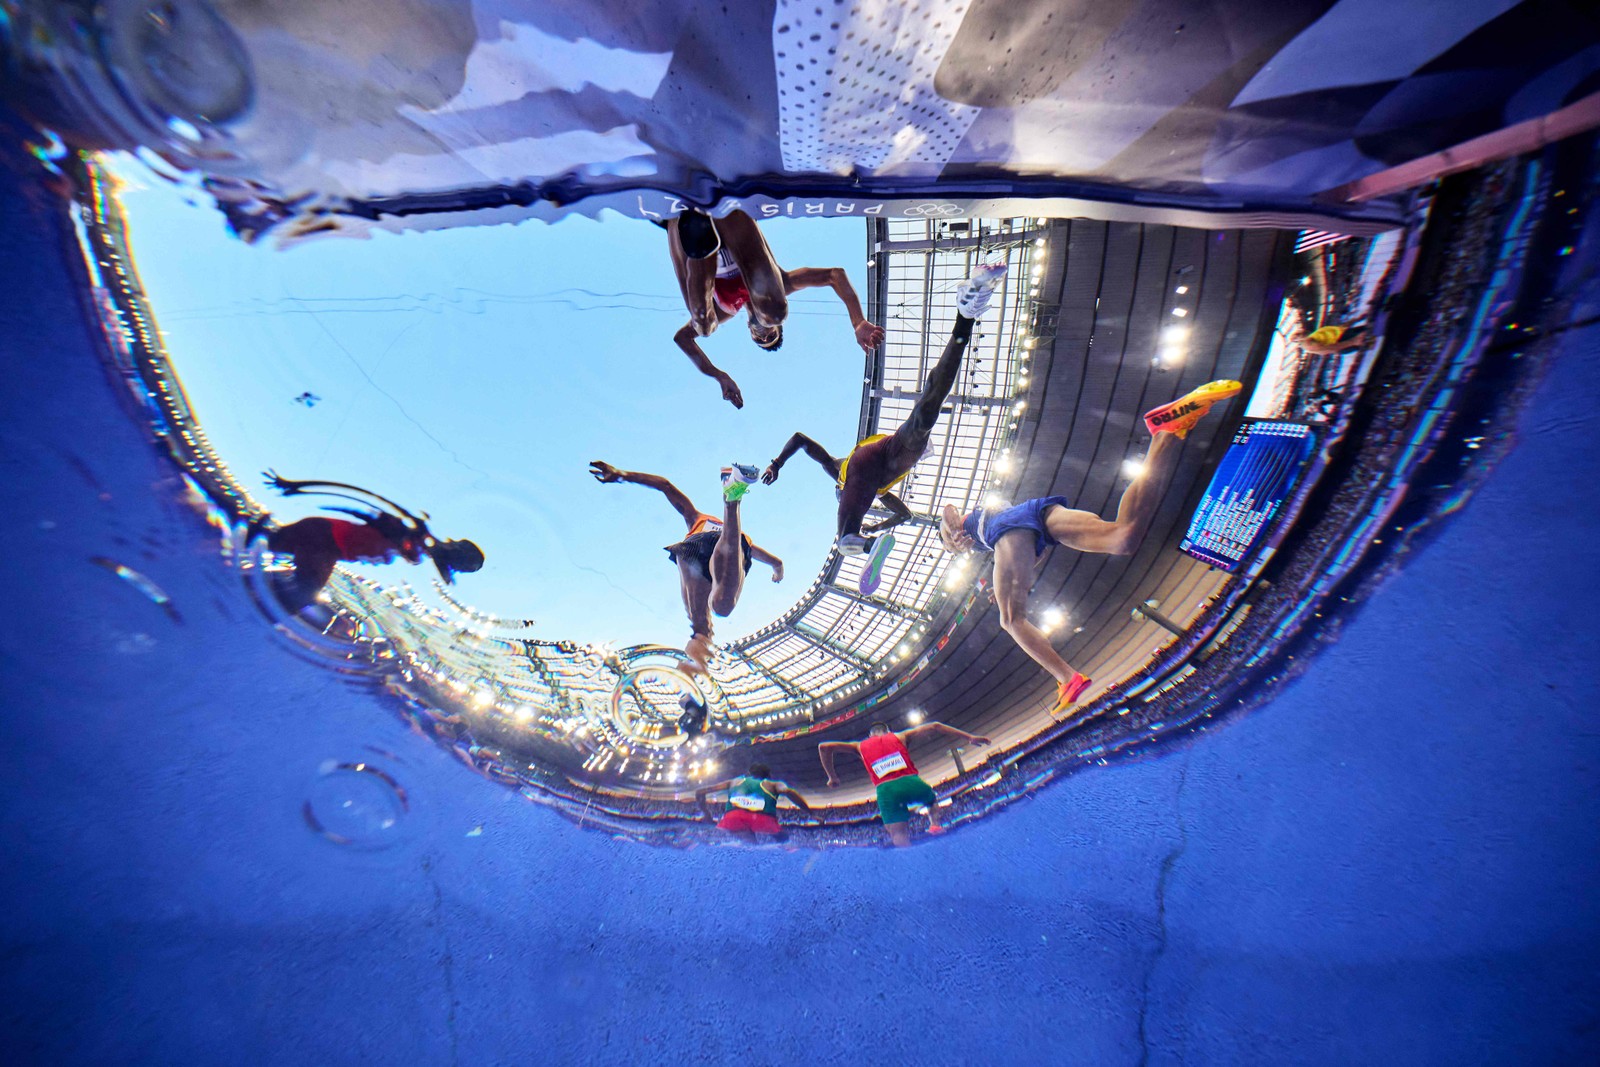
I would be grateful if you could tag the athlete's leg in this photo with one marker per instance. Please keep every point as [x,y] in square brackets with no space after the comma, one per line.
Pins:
[1013,577]
[941,379]
[1090,533]
[762,275]
[696,591]
[860,490]
[727,562]
[876,465]
[695,280]
[310,542]
[899,833]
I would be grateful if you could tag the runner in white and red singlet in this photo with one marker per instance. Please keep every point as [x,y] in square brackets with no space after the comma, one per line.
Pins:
[886,755]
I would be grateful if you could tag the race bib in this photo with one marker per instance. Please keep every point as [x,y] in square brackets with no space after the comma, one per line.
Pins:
[884,766]
[747,802]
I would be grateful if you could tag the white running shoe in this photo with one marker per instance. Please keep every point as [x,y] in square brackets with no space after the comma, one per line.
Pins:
[972,299]
[737,478]
[852,545]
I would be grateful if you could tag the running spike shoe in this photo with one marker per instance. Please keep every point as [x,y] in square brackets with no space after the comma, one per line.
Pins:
[852,545]
[972,299]
[1068,692]
[872,571]
[737,478]
[1180,415]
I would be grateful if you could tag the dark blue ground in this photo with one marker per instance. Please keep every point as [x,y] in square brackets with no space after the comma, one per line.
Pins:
[1396,862]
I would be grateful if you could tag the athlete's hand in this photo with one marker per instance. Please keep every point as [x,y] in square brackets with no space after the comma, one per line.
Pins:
[603,472]
[770,475]
[730,391]
[777,571]
[279,482]
[833,783]
[980,741]
[869,335]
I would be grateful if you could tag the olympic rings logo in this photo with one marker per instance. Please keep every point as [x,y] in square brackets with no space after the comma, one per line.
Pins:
[932,211]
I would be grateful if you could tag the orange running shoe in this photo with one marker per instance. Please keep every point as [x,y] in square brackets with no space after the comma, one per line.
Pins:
[1068,692]
[1180,415]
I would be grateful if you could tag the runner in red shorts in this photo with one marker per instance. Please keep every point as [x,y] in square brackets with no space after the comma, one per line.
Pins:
[318,543]
[725,266]
[752,806]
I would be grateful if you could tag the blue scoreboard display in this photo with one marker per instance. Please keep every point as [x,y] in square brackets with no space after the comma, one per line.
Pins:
[1247,490]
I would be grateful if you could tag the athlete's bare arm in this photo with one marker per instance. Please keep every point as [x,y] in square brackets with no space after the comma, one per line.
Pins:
[703,792]
[828,749]
[606,474]
[761,555]
[937,729]
[795,443]
[868,335]
[898,513]
[685,337]
[799,801]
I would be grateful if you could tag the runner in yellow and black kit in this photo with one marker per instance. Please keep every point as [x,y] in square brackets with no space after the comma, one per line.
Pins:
[883,460]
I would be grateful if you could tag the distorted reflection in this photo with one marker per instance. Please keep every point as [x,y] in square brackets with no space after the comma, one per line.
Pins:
[1143,458]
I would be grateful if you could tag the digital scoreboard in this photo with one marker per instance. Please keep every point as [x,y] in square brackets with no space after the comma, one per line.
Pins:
[1247,490]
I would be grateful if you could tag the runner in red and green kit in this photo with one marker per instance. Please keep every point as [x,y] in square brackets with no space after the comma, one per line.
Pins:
[887,757]
[752,804]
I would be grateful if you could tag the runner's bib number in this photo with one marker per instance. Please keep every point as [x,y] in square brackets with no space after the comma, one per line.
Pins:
[747,802]
[887,765]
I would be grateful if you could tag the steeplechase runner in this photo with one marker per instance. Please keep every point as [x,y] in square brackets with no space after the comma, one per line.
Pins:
[752,804]
[386,532]
[879,463]
[725,266]
[714,555]
[886,755]
[1019,535]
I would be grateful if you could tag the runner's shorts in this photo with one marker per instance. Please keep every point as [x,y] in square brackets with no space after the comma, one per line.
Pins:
[897,794]
[755,822]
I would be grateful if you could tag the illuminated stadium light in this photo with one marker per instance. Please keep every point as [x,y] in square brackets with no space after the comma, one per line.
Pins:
[1052,619]
[1174,335]
[524,713]
[1180,290]
[1003,464]
[915,716]
[1132,468]
[993,500]
[482,699]
[1171,357]
[1180,312]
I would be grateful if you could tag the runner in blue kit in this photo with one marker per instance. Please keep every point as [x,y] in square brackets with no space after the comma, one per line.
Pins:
[1019,535]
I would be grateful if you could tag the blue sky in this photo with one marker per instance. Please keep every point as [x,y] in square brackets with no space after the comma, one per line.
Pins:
[472,373]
